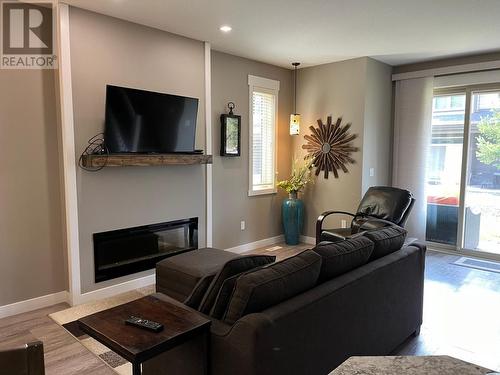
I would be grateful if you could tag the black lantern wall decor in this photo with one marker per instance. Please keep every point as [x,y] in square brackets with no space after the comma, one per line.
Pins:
[230,140]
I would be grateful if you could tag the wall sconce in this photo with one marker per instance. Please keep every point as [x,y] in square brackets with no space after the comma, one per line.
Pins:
[294,124]
[230,140]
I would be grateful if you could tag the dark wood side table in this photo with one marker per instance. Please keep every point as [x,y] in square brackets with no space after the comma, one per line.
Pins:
[137,345]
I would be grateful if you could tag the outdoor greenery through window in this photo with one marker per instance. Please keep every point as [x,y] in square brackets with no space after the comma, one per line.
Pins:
[479,198]
[263,102]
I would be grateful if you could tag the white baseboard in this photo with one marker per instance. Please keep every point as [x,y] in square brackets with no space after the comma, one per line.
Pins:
[109,291]
[463,253]
[60,297]
[308,240]
[113,290]
[33,304]
[257,244]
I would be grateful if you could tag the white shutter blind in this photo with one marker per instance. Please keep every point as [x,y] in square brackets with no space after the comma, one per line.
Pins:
[263,140]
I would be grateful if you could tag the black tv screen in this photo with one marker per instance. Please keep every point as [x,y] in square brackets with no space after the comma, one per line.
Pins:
[139,121]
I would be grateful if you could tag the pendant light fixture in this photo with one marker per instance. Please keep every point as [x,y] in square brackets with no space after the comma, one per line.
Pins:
[295,117]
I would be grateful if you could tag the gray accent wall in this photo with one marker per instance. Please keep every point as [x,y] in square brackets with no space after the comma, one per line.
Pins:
[377,132]
[335,89]
[231,203]
[359,91]
[106,50]
[32,260]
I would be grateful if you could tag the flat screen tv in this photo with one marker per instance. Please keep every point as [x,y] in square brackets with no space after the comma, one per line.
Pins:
[139,121]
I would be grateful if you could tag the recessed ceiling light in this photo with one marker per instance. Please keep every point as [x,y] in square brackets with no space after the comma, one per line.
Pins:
[225,28]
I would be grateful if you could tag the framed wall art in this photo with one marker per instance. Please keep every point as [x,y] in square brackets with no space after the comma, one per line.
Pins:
[230,143]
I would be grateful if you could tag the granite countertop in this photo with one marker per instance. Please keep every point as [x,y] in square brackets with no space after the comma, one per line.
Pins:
[408,365]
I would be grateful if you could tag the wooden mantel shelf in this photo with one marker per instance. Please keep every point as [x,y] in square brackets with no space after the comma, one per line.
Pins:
[142,160]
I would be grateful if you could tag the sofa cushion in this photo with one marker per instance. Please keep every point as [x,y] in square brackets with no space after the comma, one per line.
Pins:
[386,240]
[231,268]
[341,257]
[178,275]
[267,286]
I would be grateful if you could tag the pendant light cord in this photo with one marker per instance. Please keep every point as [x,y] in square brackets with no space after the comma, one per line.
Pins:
[295,92]
[295,64]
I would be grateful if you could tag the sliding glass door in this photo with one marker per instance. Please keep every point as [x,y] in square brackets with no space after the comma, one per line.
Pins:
[482,189]
[463,185]
[444,169]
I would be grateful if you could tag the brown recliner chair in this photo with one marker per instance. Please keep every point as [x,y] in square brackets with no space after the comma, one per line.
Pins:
[25,359]
[381,206]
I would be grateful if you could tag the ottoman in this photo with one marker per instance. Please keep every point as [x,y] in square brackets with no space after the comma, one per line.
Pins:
[178,275]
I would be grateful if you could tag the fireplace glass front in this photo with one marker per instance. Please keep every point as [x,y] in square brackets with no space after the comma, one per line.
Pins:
[126,251]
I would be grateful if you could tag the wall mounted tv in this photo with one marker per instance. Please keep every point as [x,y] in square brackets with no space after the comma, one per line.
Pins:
[139,121]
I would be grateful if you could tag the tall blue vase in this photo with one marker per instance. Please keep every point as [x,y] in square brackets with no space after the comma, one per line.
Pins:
[292,212]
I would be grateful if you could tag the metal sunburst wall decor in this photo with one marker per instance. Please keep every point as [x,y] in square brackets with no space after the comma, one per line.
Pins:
[330,146]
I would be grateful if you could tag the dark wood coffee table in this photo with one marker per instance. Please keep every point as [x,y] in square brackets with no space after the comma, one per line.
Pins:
[137,345]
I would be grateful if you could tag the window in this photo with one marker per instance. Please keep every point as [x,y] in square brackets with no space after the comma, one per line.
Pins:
[444,167]
[463,191]
[449,103]
[488,101]
[263,94]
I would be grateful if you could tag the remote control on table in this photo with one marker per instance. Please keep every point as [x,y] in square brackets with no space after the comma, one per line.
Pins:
[144,323]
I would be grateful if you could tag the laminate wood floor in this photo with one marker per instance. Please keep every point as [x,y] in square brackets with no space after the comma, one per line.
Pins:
[461,319]
[64,355]
[461,313]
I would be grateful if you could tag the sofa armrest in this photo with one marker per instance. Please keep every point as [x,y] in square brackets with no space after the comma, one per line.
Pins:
[420,245]
[238,348]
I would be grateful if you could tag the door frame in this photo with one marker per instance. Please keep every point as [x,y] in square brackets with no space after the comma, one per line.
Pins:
[464,170]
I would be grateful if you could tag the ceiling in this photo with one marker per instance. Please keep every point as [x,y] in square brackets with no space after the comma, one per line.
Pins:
[321,31]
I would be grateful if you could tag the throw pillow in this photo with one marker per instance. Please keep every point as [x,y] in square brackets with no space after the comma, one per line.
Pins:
[259,289]
[231,268]
[223,298]
[199,291]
